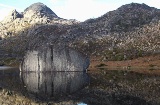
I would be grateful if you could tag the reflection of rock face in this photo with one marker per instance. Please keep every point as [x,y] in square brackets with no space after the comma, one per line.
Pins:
[50,84]
[54,59]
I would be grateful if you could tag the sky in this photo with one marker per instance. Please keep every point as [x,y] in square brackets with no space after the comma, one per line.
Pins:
[80,10]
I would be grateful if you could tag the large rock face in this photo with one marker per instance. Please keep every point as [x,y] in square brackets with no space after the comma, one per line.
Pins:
[51,58]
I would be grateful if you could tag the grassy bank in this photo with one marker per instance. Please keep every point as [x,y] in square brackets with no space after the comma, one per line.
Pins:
[147,62]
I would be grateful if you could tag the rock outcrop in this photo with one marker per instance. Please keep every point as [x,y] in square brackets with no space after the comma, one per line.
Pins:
[54,58]
[12,16]
[38,10]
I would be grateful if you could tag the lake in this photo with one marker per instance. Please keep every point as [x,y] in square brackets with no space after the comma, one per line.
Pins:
[96,87]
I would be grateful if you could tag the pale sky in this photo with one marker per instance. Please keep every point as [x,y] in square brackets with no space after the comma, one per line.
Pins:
[72,9]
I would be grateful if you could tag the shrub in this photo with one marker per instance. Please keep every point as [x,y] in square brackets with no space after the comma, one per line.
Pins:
[101,65]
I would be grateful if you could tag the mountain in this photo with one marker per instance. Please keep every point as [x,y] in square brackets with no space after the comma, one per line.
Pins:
[128,32]
[131,30]
[39,10]
[125,18]
[35,14]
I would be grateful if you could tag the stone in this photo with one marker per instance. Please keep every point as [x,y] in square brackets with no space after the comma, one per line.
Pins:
[54,58]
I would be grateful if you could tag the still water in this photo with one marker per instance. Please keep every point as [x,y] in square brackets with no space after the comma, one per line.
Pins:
[99,87]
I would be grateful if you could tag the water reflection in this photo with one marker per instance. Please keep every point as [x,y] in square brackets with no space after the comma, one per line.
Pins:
[9,79]
[107,87]
[54,84]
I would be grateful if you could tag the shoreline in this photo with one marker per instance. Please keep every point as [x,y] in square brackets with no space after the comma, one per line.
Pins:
[141,62]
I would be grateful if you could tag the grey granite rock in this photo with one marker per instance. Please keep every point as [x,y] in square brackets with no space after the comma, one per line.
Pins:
[54,58]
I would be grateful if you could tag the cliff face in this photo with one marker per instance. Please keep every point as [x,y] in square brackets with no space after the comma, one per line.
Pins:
[54,58]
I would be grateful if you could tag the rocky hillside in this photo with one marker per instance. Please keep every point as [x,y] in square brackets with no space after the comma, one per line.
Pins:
[126,18]
[131,31]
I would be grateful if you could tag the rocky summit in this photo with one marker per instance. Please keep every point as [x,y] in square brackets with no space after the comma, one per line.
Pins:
[36,14]
[39,10]
[126,18]
[128,32]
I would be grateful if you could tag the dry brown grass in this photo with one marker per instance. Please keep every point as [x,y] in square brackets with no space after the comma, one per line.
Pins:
[148,62]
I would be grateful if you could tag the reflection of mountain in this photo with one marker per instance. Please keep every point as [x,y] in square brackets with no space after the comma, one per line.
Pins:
[54,83]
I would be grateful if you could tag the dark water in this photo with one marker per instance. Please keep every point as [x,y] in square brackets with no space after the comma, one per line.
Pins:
[100,87]
[54,84]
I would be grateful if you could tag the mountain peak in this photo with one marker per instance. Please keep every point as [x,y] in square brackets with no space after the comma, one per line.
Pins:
[39,10]
[12,16]
[128,17]
[15,14]
[136,6]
